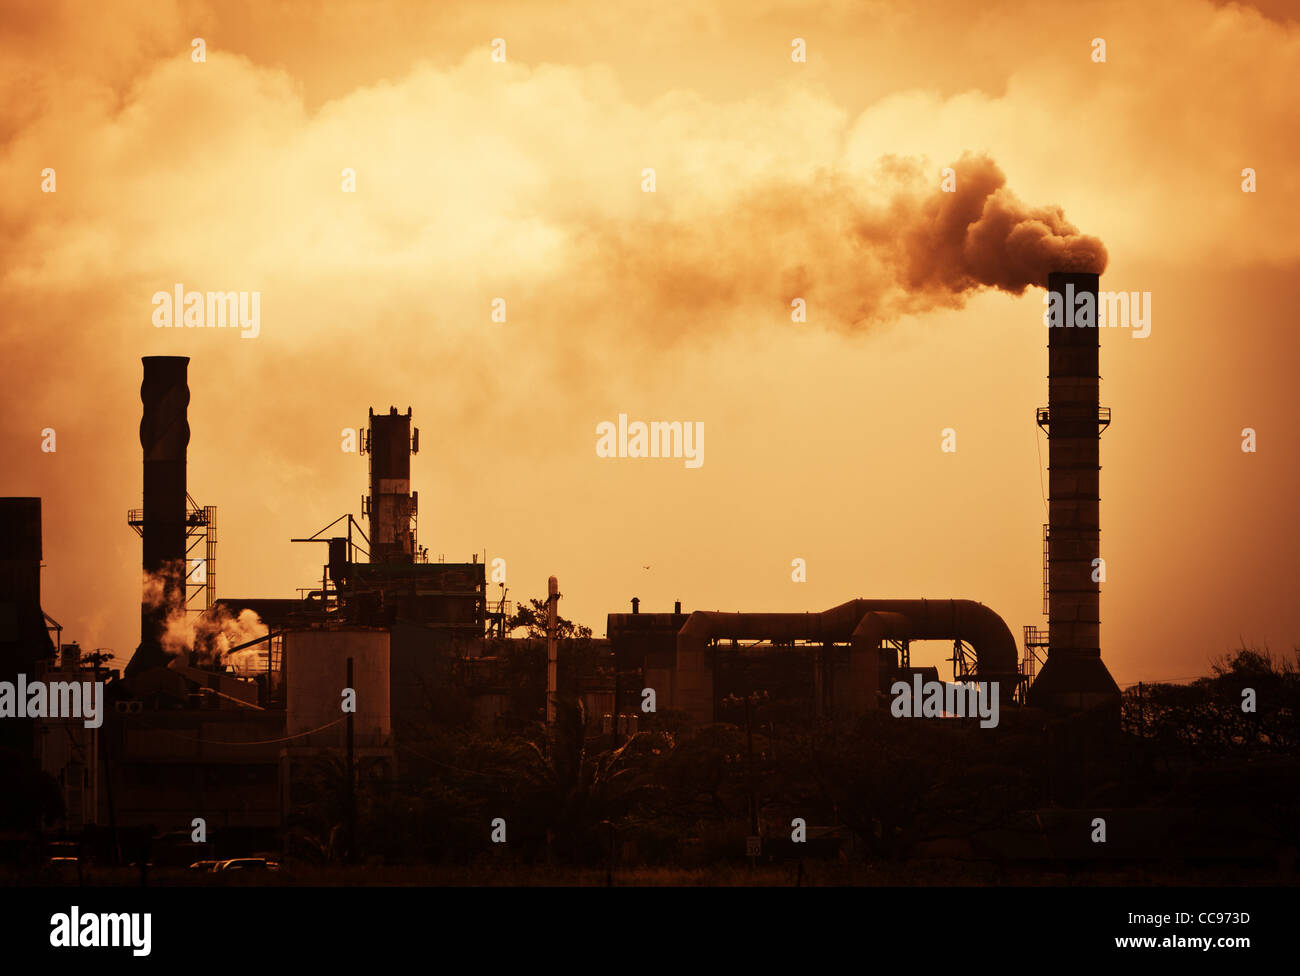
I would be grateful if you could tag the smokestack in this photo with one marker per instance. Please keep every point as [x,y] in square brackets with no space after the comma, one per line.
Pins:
[24,639]
[391,505]
[1074,677]
[164,436]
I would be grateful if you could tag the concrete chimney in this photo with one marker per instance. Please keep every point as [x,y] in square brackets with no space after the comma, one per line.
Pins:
[164,437]
[1074,677]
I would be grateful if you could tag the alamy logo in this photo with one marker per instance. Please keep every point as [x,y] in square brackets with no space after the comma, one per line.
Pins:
[657,439]
[55,699]
[77,931]
[211,310]
[1110,309]
[937,699]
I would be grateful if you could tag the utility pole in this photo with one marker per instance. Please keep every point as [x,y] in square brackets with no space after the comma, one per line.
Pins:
[351,798]
[609,861]
[618,739]
[749,733]
[94,767]
[552,650]
[107,744]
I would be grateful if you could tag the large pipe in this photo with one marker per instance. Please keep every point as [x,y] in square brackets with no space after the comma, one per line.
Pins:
[1074,677]
[863,623]
[164,437]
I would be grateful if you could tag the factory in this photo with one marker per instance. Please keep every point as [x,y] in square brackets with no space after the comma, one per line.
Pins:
[228,701]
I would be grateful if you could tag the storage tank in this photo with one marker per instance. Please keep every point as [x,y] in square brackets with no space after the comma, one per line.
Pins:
[315,664]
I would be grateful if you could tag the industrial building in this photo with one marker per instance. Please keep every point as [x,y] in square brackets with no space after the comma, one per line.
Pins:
[858,649]
[206,728]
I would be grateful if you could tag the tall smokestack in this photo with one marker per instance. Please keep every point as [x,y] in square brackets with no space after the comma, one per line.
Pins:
[391,504]
[24,639]
[1074,677]
[164,436]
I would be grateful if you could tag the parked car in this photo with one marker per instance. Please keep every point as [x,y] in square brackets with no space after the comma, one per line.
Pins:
[247,864]
[65,869]
[204,866]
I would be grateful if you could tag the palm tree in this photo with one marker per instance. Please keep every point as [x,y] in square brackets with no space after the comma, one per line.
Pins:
[571,791]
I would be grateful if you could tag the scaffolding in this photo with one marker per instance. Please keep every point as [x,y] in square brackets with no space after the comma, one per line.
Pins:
[200,571]
[200,537]
[964,665]
[902,649]
[1035,642]
[498,614]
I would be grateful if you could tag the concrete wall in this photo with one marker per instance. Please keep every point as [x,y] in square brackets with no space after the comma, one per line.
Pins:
[315,664]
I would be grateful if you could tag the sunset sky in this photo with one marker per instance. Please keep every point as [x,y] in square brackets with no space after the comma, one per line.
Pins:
[522,180]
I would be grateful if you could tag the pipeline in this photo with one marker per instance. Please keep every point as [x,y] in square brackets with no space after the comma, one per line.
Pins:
[861,623]
[865,623]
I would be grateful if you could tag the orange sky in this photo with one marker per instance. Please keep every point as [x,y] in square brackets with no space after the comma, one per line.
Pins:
[522,180]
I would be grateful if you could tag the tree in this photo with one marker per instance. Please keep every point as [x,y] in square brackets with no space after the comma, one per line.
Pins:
[1207,718]
[899,783]
[533,617]
[571,791]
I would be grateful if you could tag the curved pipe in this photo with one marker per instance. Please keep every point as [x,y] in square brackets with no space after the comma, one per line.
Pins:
[866,623]
[876,626]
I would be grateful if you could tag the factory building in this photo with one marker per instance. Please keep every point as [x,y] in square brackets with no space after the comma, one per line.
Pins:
[221,718]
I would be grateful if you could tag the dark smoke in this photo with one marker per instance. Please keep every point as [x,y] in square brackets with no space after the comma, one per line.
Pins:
[858,254]
[981,235]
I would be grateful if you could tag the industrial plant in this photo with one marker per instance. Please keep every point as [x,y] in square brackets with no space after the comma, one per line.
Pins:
[231,706]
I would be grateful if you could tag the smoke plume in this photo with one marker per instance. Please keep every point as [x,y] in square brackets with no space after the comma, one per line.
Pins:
[208,637]
[204,638]
[857,252]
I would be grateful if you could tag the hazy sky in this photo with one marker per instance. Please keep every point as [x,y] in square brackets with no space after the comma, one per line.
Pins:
[522,180]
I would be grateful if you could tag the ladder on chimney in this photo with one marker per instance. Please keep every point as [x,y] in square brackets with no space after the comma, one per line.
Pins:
[1046,588]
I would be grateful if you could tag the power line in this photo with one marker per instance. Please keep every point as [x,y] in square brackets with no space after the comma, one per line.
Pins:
[436,762]
[261,742]
[1038,443]
[1160,681]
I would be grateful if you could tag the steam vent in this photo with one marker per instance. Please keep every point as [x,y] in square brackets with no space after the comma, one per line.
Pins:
[1074,677]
